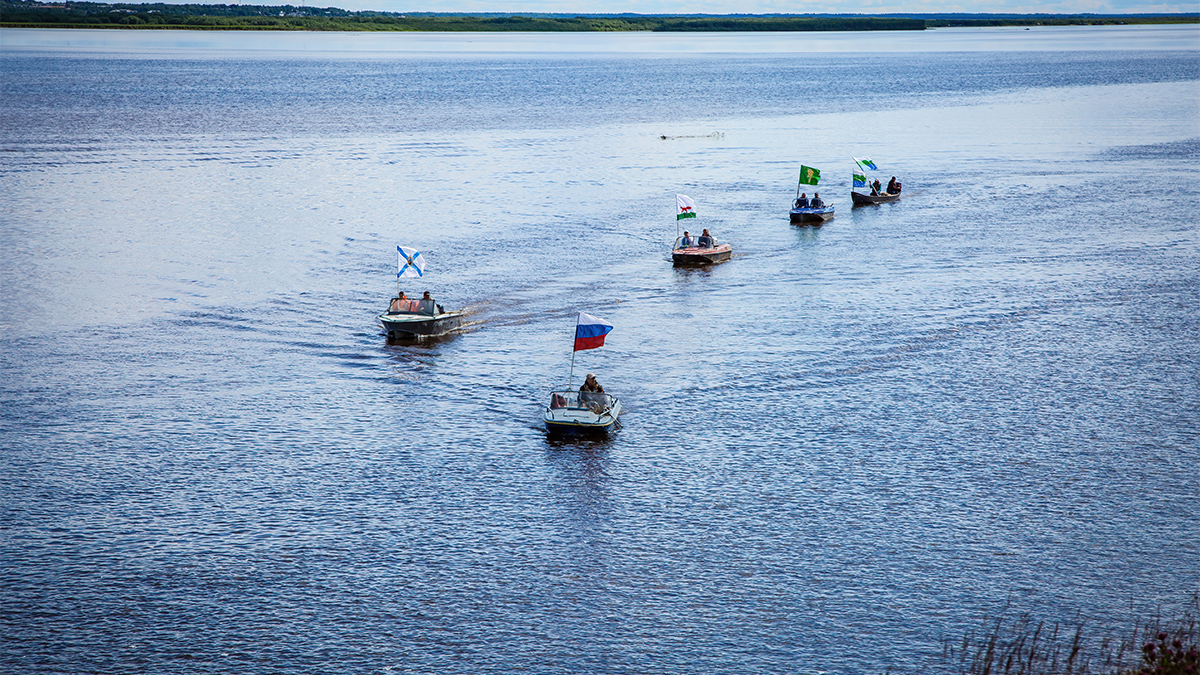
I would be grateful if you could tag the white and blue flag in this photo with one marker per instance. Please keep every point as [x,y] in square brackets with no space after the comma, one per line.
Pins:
[411,262]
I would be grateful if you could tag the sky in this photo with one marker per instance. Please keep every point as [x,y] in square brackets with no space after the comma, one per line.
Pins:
[763,6]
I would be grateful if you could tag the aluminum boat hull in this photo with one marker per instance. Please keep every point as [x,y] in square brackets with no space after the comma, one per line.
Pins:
[860,199]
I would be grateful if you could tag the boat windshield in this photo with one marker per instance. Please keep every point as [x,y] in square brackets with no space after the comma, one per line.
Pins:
[697,242]
[581,400]
[404,306]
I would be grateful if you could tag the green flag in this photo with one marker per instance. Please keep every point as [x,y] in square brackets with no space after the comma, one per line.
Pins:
[809,175]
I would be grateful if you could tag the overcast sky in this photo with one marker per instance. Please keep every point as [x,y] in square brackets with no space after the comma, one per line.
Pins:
[761,6]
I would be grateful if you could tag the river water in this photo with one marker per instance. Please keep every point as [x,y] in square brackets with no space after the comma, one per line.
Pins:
[840,450]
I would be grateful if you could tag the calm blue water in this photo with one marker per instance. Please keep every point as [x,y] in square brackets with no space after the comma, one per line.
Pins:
[840,449]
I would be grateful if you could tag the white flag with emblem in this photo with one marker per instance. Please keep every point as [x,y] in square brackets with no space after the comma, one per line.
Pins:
[684,207]
[411,264]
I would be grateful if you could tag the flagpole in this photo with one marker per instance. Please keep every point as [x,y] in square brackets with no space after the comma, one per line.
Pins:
[571,373]
[571,376]
[676,218]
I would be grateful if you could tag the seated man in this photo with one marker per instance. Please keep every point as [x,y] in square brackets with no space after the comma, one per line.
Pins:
[893,186]
[427,305]
[686,242]
[875,187]
[705,240]
[802,202]
[816,202]
[590,392]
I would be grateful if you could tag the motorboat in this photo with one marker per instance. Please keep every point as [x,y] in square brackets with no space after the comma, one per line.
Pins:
[811,215]
[418,318]
[859,180]
[698,250]
[581,411]
[802,210]
[712,251]
[415,318]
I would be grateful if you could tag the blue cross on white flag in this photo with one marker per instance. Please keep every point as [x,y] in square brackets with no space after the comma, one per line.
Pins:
[411,263]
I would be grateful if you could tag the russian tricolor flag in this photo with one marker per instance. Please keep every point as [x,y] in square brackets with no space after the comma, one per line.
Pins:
[590,332]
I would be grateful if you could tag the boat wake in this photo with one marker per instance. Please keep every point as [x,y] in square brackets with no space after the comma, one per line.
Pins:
[716,135]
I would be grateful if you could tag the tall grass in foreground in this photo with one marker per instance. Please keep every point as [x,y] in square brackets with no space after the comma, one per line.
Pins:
[1022,645]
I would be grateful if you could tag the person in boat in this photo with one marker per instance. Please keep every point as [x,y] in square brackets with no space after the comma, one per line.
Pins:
[705,240]
[686,242]
[802,201]
[399,304]
[815,202]
[590,392]
[590,385]
[875,188]
[893,186]
[428,306]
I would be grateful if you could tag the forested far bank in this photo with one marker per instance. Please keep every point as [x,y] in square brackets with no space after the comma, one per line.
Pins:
[32,14]
[92,15]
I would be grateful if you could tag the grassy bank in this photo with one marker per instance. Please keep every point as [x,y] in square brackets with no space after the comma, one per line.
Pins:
[1022,645]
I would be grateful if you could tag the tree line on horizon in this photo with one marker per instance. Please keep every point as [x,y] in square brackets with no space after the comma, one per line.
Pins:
[52,14]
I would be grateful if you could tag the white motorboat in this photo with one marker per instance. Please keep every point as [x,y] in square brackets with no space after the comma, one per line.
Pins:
[580,411]
[570,410]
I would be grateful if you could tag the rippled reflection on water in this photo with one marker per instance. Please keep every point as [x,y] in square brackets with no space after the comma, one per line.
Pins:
[839,448]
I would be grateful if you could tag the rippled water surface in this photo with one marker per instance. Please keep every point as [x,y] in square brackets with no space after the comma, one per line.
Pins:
[840,449]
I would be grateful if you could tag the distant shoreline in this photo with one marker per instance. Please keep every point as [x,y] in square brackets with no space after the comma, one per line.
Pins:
[159,16]
[527,24]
